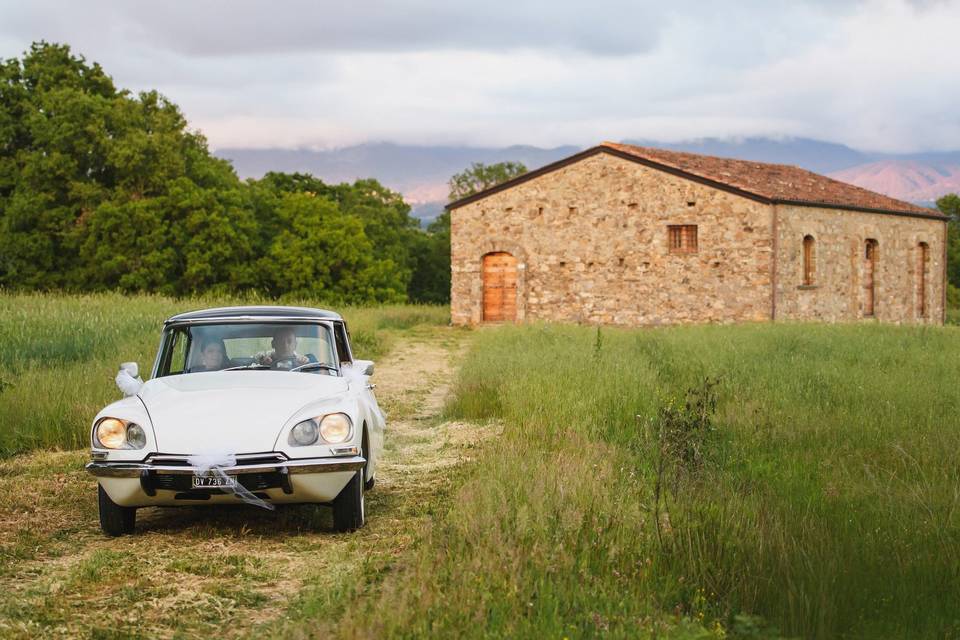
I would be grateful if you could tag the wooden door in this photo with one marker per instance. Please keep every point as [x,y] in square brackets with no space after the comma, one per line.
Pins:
[499,287]
[870,278]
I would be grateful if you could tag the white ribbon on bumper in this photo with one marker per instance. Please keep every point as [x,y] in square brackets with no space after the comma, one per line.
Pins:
[212,464]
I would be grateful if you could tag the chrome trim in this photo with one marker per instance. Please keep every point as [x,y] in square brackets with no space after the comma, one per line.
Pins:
[244,319]
[183,458]
[311,465]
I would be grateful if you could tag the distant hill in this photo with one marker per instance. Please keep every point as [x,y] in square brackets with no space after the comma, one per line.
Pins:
[920,178]
[911,180]
[421,173]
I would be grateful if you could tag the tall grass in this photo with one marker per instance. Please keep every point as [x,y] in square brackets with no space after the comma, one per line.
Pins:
[59,354]
[828,504]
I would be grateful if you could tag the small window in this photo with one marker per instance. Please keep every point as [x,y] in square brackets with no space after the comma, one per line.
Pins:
[809,261]
[871,258]
[343,345]
[176,351]
[923,251]
[682,238]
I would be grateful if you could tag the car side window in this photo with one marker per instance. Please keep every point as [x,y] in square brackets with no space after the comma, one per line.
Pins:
[343,347]
[178,351]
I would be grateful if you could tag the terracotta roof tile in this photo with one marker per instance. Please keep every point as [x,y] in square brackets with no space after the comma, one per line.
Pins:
[776,182]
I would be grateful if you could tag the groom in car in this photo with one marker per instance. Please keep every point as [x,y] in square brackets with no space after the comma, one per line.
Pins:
[284,354]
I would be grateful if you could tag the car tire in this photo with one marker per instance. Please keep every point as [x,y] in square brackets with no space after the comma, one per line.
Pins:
[114,519]
[348,506]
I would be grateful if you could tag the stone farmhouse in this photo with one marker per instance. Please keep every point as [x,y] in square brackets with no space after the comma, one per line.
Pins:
[627,235]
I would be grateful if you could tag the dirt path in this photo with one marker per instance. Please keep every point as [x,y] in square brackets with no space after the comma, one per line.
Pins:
[236,571]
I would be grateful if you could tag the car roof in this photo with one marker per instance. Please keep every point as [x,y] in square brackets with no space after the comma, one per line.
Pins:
[257,312]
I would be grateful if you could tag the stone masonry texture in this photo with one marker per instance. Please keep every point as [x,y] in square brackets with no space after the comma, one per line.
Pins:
[591,243]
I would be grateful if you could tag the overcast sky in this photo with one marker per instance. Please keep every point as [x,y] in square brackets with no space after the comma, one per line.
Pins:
[877,75]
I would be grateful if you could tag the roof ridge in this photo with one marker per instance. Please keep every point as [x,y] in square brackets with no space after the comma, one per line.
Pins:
[773,189]
[766,182]
[608,143]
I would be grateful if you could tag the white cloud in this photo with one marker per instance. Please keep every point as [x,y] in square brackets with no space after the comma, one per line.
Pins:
[876,74]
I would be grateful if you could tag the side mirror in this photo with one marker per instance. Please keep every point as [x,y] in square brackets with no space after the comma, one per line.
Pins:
[364,366]
[128,380]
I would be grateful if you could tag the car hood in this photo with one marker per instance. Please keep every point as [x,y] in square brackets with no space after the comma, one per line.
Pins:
[230,411]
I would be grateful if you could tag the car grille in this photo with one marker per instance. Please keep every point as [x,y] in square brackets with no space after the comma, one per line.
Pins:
[152,481]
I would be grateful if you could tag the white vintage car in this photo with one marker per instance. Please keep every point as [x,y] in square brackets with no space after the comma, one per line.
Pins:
[264,405]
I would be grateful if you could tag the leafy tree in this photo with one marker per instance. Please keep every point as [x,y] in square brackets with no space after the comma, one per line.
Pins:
[431,276]
[387,232]
[949,205]
[93,182]
[481,176]
[102,189]
[319,251]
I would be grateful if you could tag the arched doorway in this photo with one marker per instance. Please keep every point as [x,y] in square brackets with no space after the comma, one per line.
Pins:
[499,287]
[870,258]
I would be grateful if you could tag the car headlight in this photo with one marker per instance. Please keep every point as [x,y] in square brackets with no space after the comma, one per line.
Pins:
[113,433]
[304,433]
[334,428]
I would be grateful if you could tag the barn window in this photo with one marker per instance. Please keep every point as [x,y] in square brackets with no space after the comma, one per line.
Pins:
[809,261]
[923,255]
[682,238]
[871,257]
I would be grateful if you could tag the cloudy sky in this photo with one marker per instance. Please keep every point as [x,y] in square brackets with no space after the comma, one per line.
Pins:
[875,74]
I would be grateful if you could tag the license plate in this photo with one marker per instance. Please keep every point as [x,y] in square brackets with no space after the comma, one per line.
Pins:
[214,482]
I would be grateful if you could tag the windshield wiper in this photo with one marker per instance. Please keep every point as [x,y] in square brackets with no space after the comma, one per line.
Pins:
[252,365]
[315,365]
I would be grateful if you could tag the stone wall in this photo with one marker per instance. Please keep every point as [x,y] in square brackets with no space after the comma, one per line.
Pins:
[839,246]
[591,244]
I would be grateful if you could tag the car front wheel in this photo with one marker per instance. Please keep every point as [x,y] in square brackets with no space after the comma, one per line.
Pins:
[114,519]
[348,507]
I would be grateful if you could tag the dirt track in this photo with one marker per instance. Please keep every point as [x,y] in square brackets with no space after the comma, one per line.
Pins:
[197,571]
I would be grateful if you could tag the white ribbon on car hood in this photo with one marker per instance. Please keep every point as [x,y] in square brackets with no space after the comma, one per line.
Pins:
[212,464]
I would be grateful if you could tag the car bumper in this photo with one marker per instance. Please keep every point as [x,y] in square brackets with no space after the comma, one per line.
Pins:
[137,484]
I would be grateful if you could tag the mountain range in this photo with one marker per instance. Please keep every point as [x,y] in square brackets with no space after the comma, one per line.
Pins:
[421,173]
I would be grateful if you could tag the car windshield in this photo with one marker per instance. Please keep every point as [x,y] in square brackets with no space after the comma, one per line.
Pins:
[273,346]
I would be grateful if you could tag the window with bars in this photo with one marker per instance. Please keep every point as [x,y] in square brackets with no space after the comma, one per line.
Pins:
[682,238]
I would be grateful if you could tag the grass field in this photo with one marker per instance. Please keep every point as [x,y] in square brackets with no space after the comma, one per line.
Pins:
[753,481]
[59,354]
[818,497]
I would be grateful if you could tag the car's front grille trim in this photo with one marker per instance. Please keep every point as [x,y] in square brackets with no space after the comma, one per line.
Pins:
[242,459]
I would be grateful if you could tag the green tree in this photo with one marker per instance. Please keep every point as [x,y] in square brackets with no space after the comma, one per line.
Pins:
[103,189]
[387,231]
[431,275]
[100,189]
[317,250]
[949,205]
[54,128]
[482,176]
